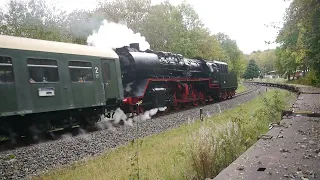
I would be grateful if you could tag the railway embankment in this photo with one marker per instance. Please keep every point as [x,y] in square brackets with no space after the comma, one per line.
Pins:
[152,152]
[192,149]
[290,149]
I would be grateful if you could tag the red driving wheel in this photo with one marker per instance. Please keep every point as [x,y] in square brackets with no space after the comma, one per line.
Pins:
[176,104]
[195,95]
[202,98]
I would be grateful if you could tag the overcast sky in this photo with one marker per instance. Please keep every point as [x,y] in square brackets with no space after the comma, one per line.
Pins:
[243,20]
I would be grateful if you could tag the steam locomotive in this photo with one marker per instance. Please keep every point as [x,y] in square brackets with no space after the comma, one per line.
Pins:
[158,79]
[47,85]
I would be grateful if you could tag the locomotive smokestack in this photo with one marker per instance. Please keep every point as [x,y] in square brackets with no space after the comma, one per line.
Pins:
[135,46]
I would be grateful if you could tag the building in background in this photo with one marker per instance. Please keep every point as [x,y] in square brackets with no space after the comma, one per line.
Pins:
[271,75]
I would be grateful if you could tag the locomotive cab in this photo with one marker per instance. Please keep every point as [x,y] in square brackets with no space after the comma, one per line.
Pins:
[214,72]
[226,79]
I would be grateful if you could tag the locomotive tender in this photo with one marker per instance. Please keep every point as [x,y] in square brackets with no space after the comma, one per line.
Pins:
[46,85]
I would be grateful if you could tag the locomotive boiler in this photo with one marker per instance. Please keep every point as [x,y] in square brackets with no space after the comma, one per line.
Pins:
[136,64]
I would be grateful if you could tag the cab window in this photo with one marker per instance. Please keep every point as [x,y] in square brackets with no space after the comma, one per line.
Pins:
[6,70]
[42,70]
[80,71]
[223,68]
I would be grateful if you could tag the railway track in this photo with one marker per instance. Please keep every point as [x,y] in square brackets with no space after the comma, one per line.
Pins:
[251,89]
[6,144]
[281,86]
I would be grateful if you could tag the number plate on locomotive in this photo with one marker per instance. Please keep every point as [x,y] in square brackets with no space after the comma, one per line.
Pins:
[109,115]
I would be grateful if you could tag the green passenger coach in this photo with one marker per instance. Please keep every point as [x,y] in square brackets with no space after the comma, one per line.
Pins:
[46,85]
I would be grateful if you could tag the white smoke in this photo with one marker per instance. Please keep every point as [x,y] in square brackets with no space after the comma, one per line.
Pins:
[112,35]
[162,108]
[152,112]
[118,116]
[128,120]
[84,135]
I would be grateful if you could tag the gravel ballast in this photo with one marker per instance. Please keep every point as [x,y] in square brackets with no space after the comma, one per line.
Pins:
[31,160]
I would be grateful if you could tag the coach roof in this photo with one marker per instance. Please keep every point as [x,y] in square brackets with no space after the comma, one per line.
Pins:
[12,42]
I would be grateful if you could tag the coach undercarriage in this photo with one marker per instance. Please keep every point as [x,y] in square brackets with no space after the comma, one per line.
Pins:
[34,125]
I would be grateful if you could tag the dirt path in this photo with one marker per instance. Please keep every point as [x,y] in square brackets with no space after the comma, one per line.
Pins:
[290,150]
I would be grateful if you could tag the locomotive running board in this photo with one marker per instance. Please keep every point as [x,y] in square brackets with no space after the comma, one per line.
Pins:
[299,113]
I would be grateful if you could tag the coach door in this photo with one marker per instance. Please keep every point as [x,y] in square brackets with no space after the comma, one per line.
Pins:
[82,83]
[8,97]
[110,79]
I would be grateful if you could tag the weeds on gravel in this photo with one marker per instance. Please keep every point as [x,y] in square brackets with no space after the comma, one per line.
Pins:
[213,147]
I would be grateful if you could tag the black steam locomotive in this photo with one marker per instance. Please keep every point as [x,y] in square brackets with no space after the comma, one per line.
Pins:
[157,79]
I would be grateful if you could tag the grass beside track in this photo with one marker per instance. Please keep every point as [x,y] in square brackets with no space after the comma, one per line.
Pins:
[174,154]
[241,88]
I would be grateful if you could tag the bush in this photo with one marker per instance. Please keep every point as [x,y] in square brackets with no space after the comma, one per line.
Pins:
[213,148]
[210,153]
[310,79]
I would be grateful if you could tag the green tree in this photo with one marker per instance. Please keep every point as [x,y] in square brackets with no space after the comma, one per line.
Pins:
[39,20]
[252,70]
[299,38]
[131,12]
[232,54]
[32,19]
[266,59]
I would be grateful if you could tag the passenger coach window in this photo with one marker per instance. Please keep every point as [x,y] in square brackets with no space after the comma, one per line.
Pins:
[80,71]
[6,70]
[43,70]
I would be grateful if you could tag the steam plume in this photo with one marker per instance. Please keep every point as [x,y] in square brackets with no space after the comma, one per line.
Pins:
[112,35]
